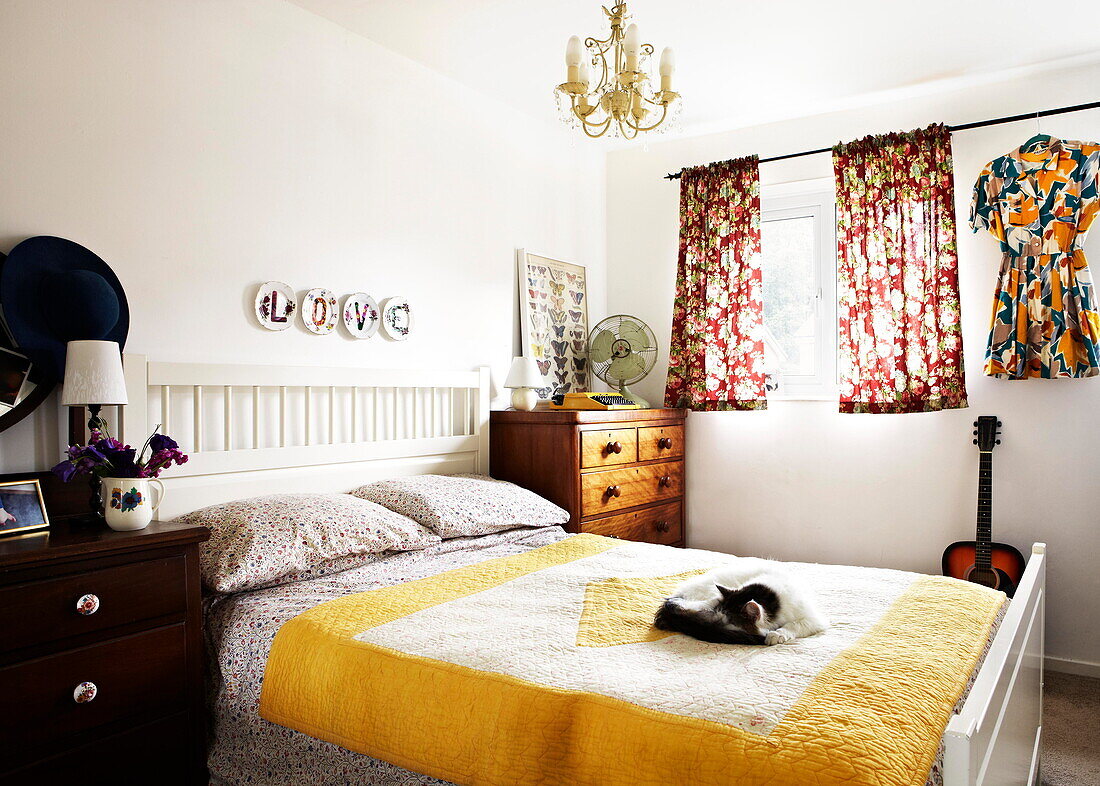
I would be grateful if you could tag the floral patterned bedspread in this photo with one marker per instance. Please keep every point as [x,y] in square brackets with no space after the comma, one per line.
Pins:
[244,748]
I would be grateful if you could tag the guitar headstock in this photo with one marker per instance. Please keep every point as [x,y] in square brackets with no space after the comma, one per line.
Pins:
[987,431]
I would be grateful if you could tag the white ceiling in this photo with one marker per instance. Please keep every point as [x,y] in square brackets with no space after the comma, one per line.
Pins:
[739,62]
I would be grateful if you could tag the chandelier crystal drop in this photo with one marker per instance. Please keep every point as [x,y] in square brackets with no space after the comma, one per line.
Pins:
[608,87]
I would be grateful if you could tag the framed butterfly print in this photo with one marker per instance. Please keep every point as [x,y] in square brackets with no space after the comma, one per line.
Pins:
[553,305]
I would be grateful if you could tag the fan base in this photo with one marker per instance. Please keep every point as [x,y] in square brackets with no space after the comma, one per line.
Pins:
[641,402]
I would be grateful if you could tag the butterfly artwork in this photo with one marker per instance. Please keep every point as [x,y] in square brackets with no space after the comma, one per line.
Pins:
[554,321]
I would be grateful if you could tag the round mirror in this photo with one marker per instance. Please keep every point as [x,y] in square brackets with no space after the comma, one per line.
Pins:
[22,388]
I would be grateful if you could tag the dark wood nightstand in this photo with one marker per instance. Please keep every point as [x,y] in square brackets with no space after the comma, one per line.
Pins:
[83,606]
[619,473]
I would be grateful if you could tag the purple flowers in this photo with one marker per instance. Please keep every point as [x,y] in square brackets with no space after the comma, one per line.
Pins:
[106,457]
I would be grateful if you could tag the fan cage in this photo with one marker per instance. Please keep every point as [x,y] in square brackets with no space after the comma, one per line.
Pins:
[648,355]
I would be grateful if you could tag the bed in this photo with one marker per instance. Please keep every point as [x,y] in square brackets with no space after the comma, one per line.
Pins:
[257,429]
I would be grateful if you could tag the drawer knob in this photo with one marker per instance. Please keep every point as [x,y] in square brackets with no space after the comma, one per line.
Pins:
[87,604]
[84,692]
[614,491]
[662,526]
[664,443]
[614,447]
[664,481]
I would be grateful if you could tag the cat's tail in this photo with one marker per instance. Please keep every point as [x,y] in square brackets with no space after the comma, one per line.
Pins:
[674,616]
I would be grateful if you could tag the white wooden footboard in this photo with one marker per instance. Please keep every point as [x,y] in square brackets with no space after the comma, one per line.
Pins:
[994,740]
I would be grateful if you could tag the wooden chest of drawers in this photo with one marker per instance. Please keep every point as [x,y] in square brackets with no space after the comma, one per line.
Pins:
[101,656]
[619,473]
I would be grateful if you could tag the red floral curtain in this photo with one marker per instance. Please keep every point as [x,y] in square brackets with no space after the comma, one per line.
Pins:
[716,360]
[897,274]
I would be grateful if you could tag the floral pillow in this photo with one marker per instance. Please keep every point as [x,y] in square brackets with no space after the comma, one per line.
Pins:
[277,539]
[455,506]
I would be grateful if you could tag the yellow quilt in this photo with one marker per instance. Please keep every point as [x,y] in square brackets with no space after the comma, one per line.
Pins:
[543,668]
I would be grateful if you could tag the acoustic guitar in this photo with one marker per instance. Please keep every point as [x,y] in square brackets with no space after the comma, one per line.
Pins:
[982,561]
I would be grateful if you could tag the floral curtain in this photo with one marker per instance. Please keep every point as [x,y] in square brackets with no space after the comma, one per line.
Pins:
[897,274]
[716,360]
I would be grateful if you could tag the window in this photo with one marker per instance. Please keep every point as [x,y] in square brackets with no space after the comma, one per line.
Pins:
[798,245]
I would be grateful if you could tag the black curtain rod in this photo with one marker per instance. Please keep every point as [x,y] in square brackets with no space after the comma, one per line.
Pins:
[952,129]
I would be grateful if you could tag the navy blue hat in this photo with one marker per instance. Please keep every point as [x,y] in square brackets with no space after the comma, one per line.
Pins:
[53,291]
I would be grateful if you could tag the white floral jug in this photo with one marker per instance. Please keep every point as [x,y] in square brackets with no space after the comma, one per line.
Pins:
[127,503]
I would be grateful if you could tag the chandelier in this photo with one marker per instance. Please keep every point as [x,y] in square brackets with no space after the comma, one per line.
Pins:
[622,99]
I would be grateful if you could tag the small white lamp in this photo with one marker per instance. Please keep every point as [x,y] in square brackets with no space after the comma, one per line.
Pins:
[93,377]
[522,377]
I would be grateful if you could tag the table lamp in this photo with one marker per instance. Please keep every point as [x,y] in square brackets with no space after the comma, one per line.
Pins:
[522,377]
[93,379]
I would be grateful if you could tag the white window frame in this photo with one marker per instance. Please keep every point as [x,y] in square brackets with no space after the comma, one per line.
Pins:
[816,199]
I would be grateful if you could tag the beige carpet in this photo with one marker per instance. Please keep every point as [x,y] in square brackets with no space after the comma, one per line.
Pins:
[1071,730]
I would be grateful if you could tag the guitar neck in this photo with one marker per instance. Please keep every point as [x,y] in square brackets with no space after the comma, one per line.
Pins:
[984,536]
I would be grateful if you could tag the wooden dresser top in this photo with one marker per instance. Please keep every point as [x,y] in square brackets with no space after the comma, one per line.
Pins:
[543,414]
[68,539]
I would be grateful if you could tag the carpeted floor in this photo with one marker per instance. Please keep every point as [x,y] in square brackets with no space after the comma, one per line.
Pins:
[1071,730]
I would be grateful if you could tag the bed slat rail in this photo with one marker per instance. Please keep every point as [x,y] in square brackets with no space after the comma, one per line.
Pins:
[243,419]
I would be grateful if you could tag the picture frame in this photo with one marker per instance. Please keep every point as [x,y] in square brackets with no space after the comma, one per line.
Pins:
[22,508]
[553,306]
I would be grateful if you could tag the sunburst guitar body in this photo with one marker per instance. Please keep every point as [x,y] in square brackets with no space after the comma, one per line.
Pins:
[996,565]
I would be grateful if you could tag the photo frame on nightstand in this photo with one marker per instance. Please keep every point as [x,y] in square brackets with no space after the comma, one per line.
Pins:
[22,508]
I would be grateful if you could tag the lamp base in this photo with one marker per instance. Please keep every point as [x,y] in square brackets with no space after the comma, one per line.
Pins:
[524,399]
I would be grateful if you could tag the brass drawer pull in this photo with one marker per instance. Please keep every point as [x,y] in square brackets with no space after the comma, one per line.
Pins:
[664,443]
[87,604]
[614,491]
[85,692]
[614,447]
[664,481]
[662,526]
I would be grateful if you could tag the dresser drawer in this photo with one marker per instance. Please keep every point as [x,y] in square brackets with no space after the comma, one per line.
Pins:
[659,524]
[42,611]
[660,442]
[605,448]
[140,675]
[615,489]
[157,752]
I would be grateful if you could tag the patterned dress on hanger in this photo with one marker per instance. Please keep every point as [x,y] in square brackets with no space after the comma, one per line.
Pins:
[1039,203]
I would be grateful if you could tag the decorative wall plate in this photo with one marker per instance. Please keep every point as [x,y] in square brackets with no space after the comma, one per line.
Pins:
[361,315]
[275,305]
[319,311]
[397,319]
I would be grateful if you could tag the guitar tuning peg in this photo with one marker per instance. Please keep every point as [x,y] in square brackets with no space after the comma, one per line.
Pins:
[975,442]
[998,442]
[975,432]
[999,424]
[975,424]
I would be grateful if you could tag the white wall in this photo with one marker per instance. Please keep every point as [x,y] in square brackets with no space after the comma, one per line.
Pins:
[801,481]
[202,147]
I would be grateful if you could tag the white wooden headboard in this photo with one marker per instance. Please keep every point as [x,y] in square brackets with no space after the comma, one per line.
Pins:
[264,429]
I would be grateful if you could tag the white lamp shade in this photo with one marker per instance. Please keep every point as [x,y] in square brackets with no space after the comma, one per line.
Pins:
[524,374]
[93,374]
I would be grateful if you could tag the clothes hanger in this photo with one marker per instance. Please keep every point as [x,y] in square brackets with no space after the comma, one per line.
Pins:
[1039,139]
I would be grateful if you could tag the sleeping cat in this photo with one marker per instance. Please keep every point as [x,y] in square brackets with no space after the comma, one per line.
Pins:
[749,601]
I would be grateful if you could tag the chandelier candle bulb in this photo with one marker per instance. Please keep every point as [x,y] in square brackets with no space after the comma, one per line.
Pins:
[631,42]
[668,68]
[573,59]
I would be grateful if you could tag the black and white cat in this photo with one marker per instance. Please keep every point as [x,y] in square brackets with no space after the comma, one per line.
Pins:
[749,601]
